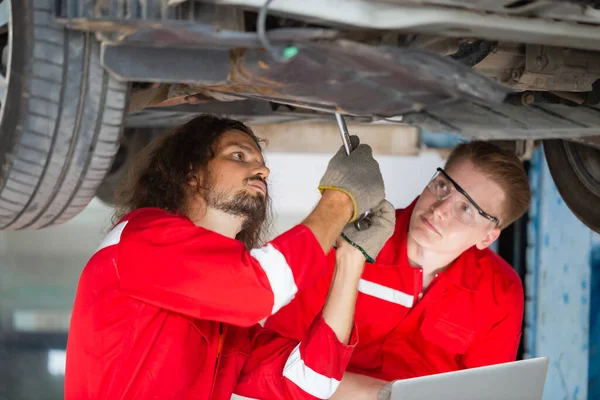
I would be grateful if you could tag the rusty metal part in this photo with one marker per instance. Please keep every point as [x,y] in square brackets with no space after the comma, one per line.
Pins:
[540,68]
[504,63]
[527,99]
[558,69]
[575,97]
[201,24]
[166,96]
[341,76]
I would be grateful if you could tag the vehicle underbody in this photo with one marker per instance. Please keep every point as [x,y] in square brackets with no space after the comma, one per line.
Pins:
[371,60]
[525,70]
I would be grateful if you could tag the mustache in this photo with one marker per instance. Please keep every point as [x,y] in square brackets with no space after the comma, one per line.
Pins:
[257,178]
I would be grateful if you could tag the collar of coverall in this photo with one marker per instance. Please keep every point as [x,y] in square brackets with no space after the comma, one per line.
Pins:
[464,272]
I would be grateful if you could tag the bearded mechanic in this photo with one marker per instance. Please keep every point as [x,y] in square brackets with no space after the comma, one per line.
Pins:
[437,299]
[168,306]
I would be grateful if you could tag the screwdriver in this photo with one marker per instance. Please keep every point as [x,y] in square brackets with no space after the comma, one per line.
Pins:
[363,222]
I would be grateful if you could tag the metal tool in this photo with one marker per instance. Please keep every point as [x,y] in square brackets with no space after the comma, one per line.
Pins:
[363,222]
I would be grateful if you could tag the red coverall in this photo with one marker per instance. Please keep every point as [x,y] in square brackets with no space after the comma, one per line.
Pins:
[470,315]
[168,310]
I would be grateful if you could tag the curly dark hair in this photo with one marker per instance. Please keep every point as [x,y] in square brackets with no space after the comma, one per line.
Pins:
[160,173]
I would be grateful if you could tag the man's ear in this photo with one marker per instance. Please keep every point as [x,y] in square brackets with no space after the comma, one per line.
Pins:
[489,239]
[193,178]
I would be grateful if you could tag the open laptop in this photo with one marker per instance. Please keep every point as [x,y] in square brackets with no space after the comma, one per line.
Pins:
[521,380]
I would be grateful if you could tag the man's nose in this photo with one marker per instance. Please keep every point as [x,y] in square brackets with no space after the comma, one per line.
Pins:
[442,207]
[262,171]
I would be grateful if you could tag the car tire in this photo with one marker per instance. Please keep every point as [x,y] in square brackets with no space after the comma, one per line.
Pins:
[60,125]
[575,169]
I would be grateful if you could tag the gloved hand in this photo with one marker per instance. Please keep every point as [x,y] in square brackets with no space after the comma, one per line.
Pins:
[357,175]
[372,240]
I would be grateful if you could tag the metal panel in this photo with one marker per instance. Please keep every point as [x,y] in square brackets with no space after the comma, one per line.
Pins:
[341,76]
[437,20]
[558,288]
[509,121]
[581,10]
[166,65]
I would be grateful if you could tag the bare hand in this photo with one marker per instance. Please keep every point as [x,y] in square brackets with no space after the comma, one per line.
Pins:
[349,257]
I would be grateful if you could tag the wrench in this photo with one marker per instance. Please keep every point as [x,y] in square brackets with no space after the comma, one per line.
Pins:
[363,222]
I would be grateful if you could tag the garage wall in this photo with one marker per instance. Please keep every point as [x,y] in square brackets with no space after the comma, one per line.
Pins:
[40,269]
[295,177]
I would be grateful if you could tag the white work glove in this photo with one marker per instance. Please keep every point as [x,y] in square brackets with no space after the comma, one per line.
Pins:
[358,175]
[371,241]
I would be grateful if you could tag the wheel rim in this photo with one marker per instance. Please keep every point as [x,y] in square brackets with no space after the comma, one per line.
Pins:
[586,165]
[6,37]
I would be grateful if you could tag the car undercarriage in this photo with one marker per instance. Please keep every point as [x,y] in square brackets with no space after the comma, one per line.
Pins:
[525,71]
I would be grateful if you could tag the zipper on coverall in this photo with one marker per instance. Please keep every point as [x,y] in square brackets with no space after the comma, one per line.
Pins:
[219,348]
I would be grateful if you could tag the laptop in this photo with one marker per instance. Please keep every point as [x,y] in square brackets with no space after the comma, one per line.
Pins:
[521,380]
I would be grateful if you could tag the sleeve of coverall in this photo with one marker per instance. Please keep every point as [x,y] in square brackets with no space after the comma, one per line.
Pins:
[167,261]
[281,368]
[293,320]
[501,342]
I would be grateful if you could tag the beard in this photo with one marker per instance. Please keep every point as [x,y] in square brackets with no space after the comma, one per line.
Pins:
[253,208]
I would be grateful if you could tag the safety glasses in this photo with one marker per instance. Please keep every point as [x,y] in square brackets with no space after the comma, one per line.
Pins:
[463,207]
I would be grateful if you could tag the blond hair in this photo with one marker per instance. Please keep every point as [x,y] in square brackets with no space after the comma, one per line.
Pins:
[503,168]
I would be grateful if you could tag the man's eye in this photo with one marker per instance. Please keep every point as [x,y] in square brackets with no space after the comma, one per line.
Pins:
[466,208]
[441,185]
[238,156]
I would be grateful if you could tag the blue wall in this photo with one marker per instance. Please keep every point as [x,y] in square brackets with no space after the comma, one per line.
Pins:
[562,292]
[594,359]
[436,140]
